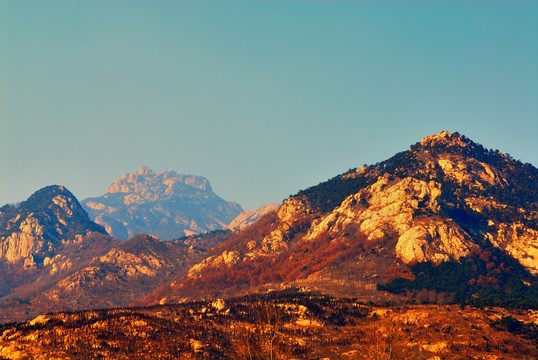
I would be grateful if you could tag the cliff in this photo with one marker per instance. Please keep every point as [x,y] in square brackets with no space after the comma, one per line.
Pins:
[165,204]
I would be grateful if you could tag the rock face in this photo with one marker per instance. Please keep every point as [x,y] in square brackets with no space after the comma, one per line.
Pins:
[128,271]
[53,257]
[165,204]
[41,226]
[247,217]
[444,199]
[42,240]
[394,210]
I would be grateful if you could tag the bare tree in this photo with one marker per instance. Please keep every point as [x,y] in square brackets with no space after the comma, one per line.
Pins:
[380,342]
[263,340]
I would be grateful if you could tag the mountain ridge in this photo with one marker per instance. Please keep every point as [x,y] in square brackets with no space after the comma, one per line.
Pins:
[165,204]
[377,233]
[37,226]
[247,217]
[444,199]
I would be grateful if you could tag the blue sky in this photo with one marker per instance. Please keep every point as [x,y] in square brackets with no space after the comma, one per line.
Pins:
[262,98]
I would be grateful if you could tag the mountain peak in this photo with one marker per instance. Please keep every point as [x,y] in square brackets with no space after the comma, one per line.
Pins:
[42,224]
[52,190]
[166,204]
[52,198]
[144,170]
[153,183]
[445,138]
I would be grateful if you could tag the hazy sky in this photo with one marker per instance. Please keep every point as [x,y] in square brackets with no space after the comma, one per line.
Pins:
[263,98]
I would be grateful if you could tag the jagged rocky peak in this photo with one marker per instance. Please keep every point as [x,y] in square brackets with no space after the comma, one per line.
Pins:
[151,185]
[446,143]
[445,138]
[49,204]
[166,204]
[42,224]
[57,199]
[440,198]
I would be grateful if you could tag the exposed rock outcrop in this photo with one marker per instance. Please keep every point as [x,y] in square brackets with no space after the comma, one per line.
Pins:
[165,204]
[42,225]
[444,199]
[247,217]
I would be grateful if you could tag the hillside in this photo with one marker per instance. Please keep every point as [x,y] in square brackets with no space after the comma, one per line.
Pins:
[165,204]
[42,240]
[54,258]
[279,326]
[443,200]
[247,217]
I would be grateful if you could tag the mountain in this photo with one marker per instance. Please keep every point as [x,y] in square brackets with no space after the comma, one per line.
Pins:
[247,217]
[446,221]
[165,204]
[42,240]
[120,276]
[54,258]
[38,228]
[446,201]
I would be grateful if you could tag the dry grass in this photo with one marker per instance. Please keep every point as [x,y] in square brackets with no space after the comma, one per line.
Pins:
[277,327]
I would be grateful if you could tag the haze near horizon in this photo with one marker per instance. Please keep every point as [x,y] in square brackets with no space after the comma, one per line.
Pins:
[261,98]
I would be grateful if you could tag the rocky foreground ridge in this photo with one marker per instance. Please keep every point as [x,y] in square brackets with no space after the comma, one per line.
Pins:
[445,199]
[165,204]
[278,326]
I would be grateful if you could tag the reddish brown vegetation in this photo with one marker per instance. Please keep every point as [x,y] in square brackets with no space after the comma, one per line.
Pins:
[277,326]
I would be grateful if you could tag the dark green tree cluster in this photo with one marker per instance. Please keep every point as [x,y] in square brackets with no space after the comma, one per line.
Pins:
[328,195]
[514,326]
[490,278]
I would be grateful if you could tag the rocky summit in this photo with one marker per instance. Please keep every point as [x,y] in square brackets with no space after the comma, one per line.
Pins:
[35,230]
[446,201]
[165,204]
[42,240]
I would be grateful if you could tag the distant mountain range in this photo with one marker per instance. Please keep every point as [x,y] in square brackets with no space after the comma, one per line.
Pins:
[165,204]
[54,257]
[446,221]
